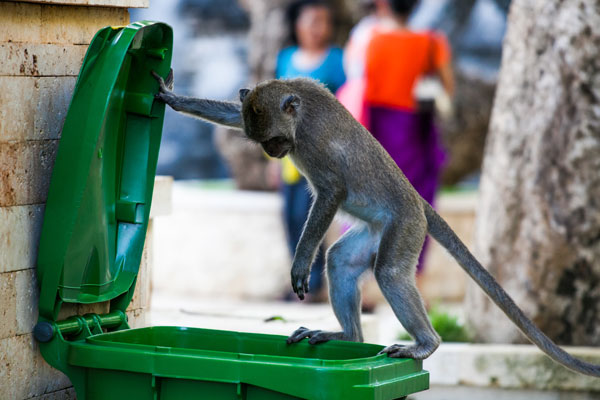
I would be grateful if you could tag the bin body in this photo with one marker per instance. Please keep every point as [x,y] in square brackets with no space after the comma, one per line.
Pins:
[171,363]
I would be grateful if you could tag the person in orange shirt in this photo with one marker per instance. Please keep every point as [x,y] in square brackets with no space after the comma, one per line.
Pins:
[352,93]
[396,60]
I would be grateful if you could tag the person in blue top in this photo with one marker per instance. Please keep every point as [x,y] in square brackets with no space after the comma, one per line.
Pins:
[311,56]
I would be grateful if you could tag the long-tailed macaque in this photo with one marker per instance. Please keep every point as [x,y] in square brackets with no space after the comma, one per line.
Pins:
[347,169]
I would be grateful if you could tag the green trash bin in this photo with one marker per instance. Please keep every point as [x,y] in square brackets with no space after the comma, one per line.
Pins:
[91,245]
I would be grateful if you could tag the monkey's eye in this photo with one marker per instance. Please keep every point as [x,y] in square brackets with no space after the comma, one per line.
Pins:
[256,110]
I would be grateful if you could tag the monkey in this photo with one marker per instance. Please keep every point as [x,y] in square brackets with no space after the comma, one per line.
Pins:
[347,169]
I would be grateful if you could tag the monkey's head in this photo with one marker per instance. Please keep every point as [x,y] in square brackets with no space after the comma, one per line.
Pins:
[270,113]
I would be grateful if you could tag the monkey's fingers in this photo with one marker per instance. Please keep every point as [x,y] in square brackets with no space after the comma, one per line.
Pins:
[160,80]
[391,349]
[299,286]
[322,337]
[299,334]
[169,82]
[157,76]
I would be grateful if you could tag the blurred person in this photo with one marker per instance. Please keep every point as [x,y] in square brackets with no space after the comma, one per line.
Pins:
[351,94]
[311,55]
[396,61]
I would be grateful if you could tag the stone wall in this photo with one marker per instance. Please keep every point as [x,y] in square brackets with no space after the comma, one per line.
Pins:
[42,45]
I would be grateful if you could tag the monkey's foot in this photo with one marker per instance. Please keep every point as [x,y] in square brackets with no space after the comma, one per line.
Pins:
[416,351]
[315,336]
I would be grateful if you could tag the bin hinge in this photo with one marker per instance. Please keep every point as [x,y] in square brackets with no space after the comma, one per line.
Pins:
[44,331]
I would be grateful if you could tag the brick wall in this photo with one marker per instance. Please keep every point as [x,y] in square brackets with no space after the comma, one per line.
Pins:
[42,45]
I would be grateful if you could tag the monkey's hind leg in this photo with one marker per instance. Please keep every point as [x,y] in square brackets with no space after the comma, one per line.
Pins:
[347,259]
[395,273]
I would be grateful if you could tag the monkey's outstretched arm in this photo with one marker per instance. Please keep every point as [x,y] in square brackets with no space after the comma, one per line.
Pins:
[321,214]
[219,112]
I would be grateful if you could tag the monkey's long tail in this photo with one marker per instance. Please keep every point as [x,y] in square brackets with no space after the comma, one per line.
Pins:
[439,229]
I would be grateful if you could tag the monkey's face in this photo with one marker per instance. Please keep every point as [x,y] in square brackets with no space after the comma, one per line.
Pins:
[270,119]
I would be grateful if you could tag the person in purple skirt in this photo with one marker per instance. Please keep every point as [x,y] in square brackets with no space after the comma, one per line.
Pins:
[396,60]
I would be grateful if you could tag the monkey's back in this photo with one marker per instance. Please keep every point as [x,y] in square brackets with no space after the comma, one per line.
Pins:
[339,150]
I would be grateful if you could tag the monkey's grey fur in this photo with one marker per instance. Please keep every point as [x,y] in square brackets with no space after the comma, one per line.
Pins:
[348,169]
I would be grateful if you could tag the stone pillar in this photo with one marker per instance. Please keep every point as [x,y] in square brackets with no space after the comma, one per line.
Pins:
[42,45]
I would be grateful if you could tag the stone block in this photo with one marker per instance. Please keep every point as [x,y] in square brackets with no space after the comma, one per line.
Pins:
[193,257]
[443,279]
[25,171]
[19,299]
[8,313]
[78,25]
[20,22]
[24,373]
[104,3]
[33,108]
[143,285]
[35,23]
[137,318]
[95,308]
[27,298]
[508,367]
[70,309]
[38,59]
[20,228]
[162,197]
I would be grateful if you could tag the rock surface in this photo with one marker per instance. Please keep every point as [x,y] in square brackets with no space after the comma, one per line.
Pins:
[538,227]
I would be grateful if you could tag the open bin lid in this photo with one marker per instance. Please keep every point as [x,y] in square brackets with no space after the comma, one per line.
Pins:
[101,189]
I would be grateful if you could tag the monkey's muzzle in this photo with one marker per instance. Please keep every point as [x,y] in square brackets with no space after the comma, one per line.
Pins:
[277,147]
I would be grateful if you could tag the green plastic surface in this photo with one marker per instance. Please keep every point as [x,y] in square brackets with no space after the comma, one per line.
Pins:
[90,250]
[99,199]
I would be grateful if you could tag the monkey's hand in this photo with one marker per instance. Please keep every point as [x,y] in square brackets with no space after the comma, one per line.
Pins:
[300,276]
[165,86]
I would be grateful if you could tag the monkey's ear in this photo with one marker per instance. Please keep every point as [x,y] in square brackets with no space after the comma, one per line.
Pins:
[243,94]
[290,104]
